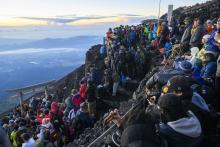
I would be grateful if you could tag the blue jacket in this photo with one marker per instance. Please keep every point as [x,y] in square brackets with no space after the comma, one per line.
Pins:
[208,70]
[85,119]
[132,36]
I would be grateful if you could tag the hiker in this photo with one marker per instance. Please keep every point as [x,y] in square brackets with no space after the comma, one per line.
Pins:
[28,140]
[197,33]
[180,128]
[160,78]
[116,80]
[91,97]
[186,35]
[138,129]
[56,116]
[83,115]
[45,140]
[193,101]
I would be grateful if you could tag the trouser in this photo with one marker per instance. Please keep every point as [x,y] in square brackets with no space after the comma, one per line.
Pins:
[115,88]
[92,107]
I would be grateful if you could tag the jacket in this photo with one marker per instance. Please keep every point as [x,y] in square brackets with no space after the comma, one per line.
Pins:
[91,93]
[139,135]
[85,119]
[208,70]
[161,78]
[196,38]
[184,132]
[186,35]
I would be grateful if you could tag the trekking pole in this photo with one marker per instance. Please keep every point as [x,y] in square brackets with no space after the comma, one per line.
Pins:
[101,137]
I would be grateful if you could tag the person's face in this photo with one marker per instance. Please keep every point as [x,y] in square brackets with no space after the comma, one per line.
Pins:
[218,24]
[186,22]
[195,23]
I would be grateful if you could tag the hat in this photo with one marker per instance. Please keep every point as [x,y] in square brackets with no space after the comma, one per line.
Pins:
[84,105]
[212,50]
[185,66]
[73,91]
[187,19]
[169,100]
[201,20]
[194,51]
[178,84]
[208,21]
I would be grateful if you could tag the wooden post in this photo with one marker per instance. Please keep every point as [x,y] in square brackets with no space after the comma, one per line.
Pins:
[21,101]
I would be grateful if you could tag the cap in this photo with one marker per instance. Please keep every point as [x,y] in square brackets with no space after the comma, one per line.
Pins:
[178,84]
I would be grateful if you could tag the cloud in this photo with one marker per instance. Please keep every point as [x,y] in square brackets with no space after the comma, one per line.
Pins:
[73,19]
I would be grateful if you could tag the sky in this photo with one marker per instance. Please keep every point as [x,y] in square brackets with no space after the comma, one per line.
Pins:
[81,12]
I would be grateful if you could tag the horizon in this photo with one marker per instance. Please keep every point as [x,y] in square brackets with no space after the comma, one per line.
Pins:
[22,13]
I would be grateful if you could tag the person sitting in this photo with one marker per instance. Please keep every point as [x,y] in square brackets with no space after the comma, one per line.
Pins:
[83,118]
[187,34]
[28,140]
[208,71]
[138,128]
[179,127]
[180,86]
[160,78]
[197,34]
[56,116]
[45,140]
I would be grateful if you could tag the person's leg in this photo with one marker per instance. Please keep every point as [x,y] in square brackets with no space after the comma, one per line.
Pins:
[115,87]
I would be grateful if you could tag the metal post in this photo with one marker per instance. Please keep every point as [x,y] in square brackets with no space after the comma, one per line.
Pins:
[21,101]
[159,12]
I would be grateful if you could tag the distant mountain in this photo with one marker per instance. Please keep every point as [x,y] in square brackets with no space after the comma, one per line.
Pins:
[72,42]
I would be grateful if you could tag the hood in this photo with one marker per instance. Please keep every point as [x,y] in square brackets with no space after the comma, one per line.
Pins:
[188,126]
[54,107]
[69,102]
[199,101]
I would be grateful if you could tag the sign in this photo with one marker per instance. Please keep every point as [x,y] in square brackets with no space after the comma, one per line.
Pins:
[170,13]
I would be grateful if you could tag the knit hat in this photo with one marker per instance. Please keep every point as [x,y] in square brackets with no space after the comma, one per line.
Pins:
[185,66]
[169,100]
[177,84]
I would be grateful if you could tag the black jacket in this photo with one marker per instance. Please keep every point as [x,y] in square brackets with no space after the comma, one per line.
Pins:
[196,38]
[140,135]
[186,35]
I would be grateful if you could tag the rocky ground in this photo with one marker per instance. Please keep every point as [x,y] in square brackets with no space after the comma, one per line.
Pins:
[127,97]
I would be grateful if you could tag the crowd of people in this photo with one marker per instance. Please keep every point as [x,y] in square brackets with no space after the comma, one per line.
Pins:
[183,108]
[182,98]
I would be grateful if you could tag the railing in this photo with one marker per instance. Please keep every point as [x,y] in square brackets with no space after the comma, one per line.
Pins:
[37,88]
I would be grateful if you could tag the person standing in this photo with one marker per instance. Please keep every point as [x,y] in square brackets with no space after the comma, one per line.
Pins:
[91,97]
[116,80]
